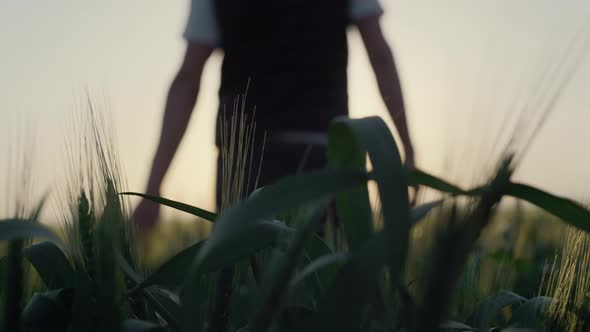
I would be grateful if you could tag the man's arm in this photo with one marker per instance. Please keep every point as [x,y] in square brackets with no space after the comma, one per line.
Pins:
[180,103]
[386,74]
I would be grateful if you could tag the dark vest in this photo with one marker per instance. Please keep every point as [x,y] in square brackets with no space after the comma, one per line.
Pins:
[294,55]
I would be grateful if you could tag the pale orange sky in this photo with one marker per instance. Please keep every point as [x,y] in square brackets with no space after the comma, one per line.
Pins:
[461,62]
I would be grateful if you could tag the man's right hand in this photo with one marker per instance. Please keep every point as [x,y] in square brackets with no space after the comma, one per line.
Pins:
[410,165]
[145,217]
[180,103]
[409,162]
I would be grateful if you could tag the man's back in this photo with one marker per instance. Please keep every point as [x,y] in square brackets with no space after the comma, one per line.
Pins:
[293,56]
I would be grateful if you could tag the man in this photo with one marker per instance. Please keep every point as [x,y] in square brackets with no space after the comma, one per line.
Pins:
[291,57]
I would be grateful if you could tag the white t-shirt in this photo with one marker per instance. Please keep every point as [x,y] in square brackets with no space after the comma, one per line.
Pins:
[202,23]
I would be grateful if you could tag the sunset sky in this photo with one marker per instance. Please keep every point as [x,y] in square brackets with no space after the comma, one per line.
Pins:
[464,65]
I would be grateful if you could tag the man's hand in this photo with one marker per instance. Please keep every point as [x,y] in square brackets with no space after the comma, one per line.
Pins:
[410,164]
[385,70]
[145,217]
[181,100]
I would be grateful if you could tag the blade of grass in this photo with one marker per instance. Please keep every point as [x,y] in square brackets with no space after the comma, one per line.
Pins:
[532,313]
[12,229]
[419,212]
[283,273]
[195,211]
[50,311]
[135,325]
[373,136]
[14,288]
[315,249]
[454,246]
[172,272]
[571,212]
[51,264]
[490,308]
[168,309]
[316,265]
[239,230]
[419,177]
[456,326]
[354,287]
[242,225]
[353,205]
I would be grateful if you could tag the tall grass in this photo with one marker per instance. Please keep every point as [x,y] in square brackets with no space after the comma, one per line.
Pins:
[283,276]
[384,270]
[19,187]
[570,284]
[237,154]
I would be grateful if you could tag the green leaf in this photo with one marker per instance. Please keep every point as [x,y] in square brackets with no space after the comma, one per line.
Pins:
[130,274]
[281,274]
[261,235]
[356,285]
[51,264]
[315,249]
[194,293]
[3,266]
[169,309]
[418,177]
[328,261]
[171,274]
[195,211]
[373,136]
[566,209]
[490,309]
[196,301]
[49,311]
[505,298]
[166,307]
[255,237]
[353,206]
[136,325]
[13,229]
[419,212]
[532,313]
[245,228]
[452,325]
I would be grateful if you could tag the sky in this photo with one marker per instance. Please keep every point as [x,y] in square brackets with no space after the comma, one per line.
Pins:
[465,66]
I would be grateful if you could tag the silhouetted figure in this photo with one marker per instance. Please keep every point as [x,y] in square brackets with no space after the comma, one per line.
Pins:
[292,55]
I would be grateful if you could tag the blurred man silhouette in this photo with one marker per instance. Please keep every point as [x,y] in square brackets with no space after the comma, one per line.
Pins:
[292,55]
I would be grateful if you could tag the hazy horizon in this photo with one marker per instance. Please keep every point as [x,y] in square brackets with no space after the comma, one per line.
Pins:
[464,65]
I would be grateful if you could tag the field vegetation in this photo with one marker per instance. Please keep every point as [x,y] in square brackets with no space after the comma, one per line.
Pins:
[278,260]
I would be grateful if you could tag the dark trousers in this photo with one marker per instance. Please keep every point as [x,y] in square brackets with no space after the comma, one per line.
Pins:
[278,161]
